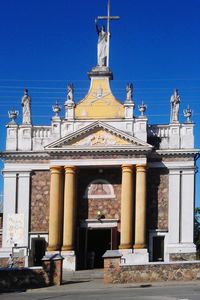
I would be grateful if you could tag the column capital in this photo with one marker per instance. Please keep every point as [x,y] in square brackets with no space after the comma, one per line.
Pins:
[128,167]
[56,169]
[141,168]
[70,169]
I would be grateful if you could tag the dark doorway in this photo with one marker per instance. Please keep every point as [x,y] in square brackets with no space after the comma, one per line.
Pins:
[92,243]
[39,247]
[158,248]
[98,241]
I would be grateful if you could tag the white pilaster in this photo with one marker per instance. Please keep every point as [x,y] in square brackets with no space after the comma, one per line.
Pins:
[187,136]
[56,128]
[24,202]
[174,206]
[25,137]
[9,205]
[187,206]
[69,110]
[129,107]
[181,211]
[174,136]
[12,137]
[140,129]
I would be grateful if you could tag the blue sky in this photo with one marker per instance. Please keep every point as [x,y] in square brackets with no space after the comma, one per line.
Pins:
[46,44]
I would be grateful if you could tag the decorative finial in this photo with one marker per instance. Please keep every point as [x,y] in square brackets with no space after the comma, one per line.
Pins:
[142,108]
[187,114]
[175,104]
[56,109]
[129,92]
[13,114]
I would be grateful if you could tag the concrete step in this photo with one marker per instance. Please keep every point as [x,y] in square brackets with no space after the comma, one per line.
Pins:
[82,275]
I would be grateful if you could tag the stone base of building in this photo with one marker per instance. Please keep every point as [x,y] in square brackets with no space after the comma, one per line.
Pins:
[69,260]
[134,256]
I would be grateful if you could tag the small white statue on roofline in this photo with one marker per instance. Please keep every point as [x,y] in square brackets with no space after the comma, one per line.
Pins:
[70,92]
[175,105]
[129,92]
[26,108]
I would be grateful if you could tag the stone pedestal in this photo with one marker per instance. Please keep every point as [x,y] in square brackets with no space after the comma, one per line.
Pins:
[52,265]
[134,257]
[69,260]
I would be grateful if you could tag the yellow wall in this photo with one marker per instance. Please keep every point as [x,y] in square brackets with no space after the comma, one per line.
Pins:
[99,103]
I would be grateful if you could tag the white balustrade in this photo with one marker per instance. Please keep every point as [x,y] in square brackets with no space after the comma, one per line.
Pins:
[42,132]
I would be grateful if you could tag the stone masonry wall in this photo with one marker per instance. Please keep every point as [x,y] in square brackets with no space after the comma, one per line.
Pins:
[152,272]
[157,198]
[18,262]
[40,190]
[182,256]
[110,208]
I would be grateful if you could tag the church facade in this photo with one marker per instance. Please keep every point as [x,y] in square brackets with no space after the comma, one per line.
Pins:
[100,178]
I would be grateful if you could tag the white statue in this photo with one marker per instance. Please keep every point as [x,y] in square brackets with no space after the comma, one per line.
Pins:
[129,92]
[70,93]
[26,108]
[101,46]
[175,104]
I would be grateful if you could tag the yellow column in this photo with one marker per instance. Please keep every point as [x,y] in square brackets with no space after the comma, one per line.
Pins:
[69,209]
[140,207]
[126,236]
[56,209]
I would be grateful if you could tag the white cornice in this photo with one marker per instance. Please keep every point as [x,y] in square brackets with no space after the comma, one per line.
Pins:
[178,152]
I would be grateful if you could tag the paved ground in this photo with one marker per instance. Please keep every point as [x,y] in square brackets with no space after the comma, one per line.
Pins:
[93,289]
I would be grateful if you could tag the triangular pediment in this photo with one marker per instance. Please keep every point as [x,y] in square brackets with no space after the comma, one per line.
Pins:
[98,135]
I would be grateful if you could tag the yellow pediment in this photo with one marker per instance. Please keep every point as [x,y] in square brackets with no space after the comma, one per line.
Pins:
[99,103]
[99,137]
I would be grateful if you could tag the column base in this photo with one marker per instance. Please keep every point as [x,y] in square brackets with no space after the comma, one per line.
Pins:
[53,248]
[67,248]
[125,246]
[134,257]
[69,262]
[139,246]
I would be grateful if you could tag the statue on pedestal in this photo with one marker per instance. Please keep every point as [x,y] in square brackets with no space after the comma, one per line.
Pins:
[129,92]
[101,45]
[70,93]
[26,108]
[175,104]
